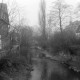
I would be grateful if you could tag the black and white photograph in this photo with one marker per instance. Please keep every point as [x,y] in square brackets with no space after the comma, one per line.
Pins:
[39,39]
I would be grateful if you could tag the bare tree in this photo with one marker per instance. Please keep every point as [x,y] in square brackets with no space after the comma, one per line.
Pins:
[13,12]
[59,14]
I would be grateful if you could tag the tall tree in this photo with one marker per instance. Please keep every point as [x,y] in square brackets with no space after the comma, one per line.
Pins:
[42,18]
[59,14]
[42,23]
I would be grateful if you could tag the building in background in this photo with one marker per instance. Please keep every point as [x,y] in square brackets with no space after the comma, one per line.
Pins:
[75,27]
[4,26]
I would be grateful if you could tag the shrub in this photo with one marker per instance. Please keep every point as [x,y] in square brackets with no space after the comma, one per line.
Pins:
[62,41]
[42,42]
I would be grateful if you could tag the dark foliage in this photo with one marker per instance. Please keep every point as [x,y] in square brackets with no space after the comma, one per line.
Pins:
[26,37]
[62,41]
[42,42]
[18,57]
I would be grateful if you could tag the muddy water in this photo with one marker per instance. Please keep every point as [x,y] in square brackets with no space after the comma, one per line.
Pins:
[52,70]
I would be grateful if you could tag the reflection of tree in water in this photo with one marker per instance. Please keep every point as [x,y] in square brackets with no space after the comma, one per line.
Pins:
[44,71]
[57,73]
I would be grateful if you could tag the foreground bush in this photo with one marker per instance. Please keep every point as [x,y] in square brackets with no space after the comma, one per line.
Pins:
[17,59]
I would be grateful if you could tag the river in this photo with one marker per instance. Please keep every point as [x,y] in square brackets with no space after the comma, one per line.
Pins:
[45,69]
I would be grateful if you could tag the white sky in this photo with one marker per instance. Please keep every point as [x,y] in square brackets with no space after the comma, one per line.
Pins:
[30,8]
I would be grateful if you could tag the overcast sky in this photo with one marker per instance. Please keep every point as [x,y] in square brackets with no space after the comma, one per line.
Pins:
[30,8]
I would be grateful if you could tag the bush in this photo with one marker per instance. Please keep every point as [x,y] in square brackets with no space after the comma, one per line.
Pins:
[26,37]
[62,41]
[42,42]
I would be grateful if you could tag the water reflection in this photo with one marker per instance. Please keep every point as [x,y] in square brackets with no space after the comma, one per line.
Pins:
[36,74]
[52,70]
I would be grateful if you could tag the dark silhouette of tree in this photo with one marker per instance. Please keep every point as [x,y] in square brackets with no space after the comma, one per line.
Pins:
[42,23]
[42,17]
